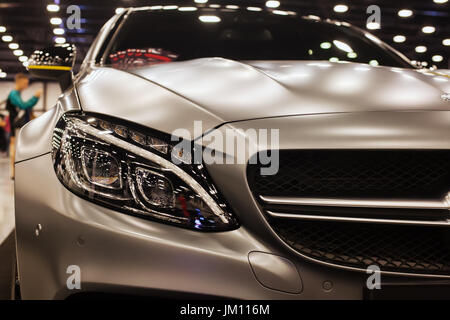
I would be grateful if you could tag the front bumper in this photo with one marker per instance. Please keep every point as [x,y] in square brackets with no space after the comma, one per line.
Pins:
[121,254]
[117,253]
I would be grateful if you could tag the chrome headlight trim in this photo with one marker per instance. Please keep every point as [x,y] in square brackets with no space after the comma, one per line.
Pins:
[90,129]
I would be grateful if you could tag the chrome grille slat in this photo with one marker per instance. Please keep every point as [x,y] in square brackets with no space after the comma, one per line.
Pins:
[444,223]
[359,203]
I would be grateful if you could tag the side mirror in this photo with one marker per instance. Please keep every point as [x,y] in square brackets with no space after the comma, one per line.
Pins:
[54,63]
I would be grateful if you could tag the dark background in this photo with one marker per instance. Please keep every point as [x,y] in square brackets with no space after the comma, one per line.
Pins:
[28,22]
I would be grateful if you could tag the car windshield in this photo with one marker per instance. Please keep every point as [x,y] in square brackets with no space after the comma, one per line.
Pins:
[158,36]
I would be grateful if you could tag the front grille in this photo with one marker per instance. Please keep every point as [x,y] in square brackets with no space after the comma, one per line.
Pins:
[367,174]
[408,249]
[353,173]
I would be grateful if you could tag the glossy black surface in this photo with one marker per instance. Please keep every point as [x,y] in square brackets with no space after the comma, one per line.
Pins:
[148,37]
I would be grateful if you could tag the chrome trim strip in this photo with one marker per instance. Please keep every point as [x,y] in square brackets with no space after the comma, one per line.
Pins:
[360,203]
[352,219]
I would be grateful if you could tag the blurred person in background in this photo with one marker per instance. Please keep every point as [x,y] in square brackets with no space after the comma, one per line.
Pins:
[7,129]
[19,111]
[3,134]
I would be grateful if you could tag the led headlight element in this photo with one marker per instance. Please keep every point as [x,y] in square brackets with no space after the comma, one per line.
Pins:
[155,188]
[101,168]
[129,169]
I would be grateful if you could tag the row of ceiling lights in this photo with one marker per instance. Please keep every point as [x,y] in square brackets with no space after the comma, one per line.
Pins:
[14,47]
[56,22]
[403,13]
[270,4]
[273,4]
[340,8]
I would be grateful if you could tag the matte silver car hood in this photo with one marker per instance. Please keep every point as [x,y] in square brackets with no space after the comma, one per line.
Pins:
[235,91]
[217,90]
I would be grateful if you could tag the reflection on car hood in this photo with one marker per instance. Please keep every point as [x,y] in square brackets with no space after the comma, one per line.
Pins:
[215,90]
[244,90]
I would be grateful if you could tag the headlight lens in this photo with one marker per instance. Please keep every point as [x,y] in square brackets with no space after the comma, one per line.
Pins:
[129,168]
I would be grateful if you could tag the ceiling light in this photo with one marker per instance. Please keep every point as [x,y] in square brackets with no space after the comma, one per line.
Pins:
[421,49]
[119,10]
[7,38]
[170,7]
[333,59]
[272,4]
[373,63]
[2,29]
[280,12]
[399,38]
[18,52]
[405,13]
[428,29]
[352,55]
[254,9]
[325,45]
[232,6]
[187,9]
[214,6]
[312,17]
[58,31]
[2,74]
[373,25]
[56,21]
[437,58]
[440,1]
[446,42]
[25,64]
[23,58]
[13,46]
[201,1]
[340,8]
[209,19]
[342,46]
[60,40]
[53,8]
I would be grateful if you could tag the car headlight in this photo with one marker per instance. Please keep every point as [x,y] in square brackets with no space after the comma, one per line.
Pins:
[128,168]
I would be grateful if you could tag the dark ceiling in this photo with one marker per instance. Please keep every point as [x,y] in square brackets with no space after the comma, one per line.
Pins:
[27,21]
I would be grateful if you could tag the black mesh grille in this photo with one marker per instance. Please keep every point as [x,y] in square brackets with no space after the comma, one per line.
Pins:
[352,173]
[393,248]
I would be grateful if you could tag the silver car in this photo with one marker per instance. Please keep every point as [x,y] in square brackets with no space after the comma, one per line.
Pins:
[338,183]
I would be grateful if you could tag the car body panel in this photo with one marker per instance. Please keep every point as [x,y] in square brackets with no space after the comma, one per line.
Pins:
[261,89]
[364,130]
[35,138]
[98,240]
[126,96]
[167,96]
